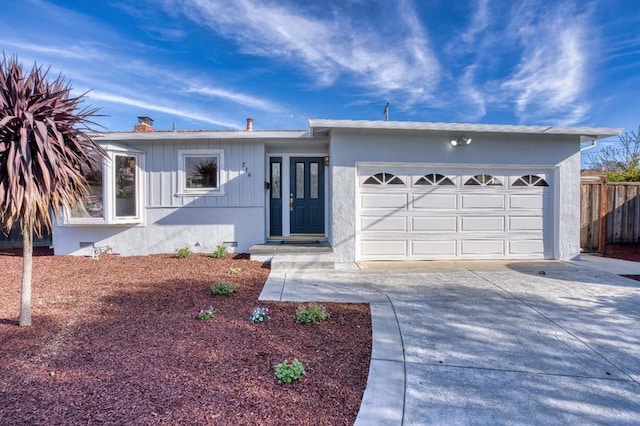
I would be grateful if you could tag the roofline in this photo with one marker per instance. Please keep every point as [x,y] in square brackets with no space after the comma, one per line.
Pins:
[323,125]
[200,134]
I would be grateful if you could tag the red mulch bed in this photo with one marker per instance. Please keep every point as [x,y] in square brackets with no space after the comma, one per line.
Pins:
[115,341]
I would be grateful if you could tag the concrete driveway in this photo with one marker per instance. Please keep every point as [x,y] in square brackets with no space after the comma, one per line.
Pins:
[515,343]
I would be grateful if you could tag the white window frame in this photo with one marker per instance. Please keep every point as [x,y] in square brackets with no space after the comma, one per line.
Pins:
[111,187]
[182,174]
[109,192]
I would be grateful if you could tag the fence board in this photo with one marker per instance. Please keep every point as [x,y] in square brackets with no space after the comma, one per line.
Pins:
[589,216]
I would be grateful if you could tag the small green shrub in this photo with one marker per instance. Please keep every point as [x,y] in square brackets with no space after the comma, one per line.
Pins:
[313,313]
[289,370]
[234,271]
[222,288]
[628,174]
[220,252]
[183,252]
[206,313]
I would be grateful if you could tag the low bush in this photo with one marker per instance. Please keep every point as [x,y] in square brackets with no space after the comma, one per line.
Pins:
[222,288]
[220,252]
[183,252]
[313,313]
[289,370]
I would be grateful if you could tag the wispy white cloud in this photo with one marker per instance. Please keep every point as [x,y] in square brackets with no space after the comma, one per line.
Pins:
[533,59]
[79,51]
[479,22]
[471,98]
[327,48]
[184,113]
[118,77]
[236,97]
[126,71]
[550,79]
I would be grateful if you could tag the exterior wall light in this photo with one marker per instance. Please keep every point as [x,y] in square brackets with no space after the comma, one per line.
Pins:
[460,141]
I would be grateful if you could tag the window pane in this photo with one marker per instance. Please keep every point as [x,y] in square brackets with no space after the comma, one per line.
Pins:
[125,185]
[201,171]
[93,205]
[299,180]
[313,185]
[275,180]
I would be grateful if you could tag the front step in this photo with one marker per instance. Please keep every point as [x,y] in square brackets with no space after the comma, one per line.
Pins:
[317,255]
[303,261]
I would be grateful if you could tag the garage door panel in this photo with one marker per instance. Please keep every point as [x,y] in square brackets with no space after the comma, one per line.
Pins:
[526,223]
[483,224]
[434,248]
[384,223]
[526,247]
[526,202]
[435,201]
[384,201]
[482,201]
[482,247]
[435,224]
[392,248]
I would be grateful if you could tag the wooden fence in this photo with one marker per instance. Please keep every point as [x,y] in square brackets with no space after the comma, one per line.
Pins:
[609,214]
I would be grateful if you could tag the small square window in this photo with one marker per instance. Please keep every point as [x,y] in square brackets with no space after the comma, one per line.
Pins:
[199,172]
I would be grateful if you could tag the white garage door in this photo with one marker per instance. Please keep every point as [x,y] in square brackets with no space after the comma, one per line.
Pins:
[446,213]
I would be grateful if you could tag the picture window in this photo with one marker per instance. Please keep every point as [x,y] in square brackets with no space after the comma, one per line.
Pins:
[199,172]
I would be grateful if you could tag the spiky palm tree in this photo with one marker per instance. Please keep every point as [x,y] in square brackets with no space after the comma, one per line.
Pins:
[44,144]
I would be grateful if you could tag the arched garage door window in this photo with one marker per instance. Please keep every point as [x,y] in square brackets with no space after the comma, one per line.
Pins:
[483,180]
[530,180]
[434,179]
[383,179]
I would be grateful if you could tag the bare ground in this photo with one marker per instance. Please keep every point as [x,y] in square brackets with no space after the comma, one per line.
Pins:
[115,341]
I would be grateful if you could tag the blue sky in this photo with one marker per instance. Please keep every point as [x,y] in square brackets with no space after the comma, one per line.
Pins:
[209,64]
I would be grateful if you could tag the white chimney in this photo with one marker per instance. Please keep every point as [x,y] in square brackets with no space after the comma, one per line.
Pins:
[249,124]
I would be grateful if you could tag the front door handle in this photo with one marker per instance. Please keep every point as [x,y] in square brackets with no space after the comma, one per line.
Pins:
[291,201]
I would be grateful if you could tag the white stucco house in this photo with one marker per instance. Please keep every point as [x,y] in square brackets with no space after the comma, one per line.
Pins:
[373,190]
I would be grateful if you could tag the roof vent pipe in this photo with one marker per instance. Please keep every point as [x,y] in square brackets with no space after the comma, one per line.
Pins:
[249,124]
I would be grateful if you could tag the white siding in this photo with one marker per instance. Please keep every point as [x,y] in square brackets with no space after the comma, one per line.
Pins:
[200,222]
[166,229]
[243,186]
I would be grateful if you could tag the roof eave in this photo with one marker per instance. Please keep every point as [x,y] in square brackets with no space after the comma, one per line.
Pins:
[589,133]
[183,135]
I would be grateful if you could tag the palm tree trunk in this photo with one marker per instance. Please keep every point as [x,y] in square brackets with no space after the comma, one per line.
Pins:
[27,267]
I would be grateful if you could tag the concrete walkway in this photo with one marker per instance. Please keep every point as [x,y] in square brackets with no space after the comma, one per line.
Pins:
[607,264]
[515,343]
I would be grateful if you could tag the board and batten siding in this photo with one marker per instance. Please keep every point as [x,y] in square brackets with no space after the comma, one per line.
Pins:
[242,174]
[172,220]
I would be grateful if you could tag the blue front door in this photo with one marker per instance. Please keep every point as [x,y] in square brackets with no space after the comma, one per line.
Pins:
[306,197]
